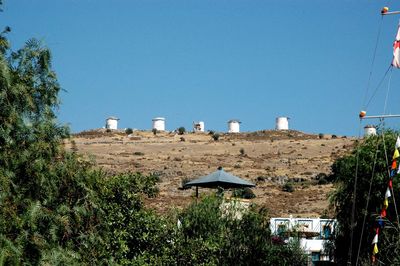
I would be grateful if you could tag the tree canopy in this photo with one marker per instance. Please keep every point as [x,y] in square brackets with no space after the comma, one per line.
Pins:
[368,160]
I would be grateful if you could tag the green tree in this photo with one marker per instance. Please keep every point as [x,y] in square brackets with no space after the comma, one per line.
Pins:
[371,160]
[55,207]
[213,235]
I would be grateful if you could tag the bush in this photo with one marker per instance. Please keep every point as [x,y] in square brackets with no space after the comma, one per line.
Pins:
[184,181]
[323,181]
[181,130]
[128,131]
[288,187]
[155,131]
[211,235]
[215,136]
[242,152]
[244,193]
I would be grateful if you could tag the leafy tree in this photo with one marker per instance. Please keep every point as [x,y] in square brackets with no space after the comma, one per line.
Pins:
[133,234]
[47,203]
[55,207]
[370,153]
[212,235]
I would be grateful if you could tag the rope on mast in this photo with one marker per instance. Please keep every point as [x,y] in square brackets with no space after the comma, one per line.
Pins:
[367,203]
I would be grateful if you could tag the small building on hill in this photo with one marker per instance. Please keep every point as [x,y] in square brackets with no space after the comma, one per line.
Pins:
[369,130]
[112,123]
[234,126]
[198,126]
[282,123]
[159,123]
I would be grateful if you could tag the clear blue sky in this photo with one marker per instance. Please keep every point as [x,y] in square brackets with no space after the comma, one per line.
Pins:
[212,60]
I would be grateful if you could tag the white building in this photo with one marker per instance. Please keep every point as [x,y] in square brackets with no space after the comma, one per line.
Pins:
[159,123]
[282,123]
[112,122]
[369,130]
[198,126]
[234,126]
[313,233]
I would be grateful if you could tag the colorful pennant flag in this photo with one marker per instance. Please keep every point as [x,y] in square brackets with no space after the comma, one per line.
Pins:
[375,240]
[386,203]
[397,145]
[388,194]
[376,250]
[396,154]
[396,50]
[394,164]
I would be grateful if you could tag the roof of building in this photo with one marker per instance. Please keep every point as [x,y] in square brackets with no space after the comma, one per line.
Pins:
[220,178]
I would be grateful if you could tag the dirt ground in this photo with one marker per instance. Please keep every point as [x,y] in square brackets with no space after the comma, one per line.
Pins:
[267,158]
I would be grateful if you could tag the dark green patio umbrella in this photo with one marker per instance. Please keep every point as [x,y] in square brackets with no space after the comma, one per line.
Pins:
[219,179]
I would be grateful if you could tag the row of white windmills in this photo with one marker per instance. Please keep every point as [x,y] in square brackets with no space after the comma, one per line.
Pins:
[282,123]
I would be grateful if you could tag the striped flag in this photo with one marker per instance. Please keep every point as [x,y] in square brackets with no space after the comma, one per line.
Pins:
[396,50]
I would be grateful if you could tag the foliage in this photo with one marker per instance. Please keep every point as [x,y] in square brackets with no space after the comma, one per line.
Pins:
[242,151]
[128,131]
[343,174]
[155,131]
[288,187]
[244,193]
[55,208]
[209,235]
[48,204]
[131,231]
[181,130]
[215,136]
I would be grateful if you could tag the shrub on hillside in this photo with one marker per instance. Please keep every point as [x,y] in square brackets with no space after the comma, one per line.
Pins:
[215,136]
[244,193]
[288,187]
[181,130]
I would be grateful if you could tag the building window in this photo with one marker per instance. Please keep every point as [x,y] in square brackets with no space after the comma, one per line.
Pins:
[315,256]
[326,231]
[281,229]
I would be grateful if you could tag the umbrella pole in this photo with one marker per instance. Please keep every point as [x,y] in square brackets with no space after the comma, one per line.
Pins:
[197,191]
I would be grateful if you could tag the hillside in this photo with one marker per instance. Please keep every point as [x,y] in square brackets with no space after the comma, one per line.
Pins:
[267,158]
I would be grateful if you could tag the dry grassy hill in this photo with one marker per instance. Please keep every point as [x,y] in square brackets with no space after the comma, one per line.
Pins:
[268,158]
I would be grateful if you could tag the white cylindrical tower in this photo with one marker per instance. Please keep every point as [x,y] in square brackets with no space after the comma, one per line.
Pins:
[282,123]
[159,123]
[234,126]
[198,126]
[369,130]
[112,122]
